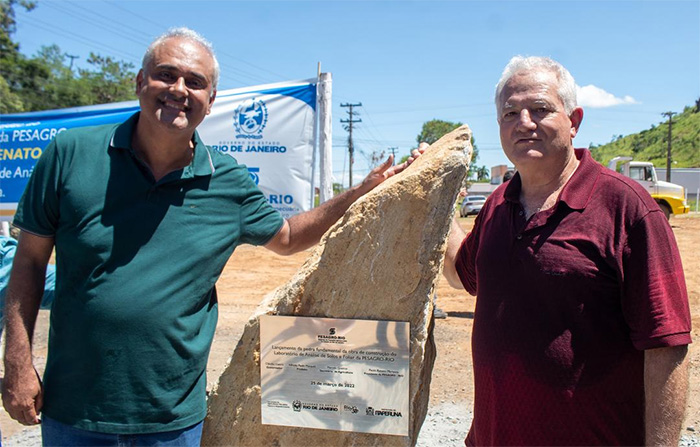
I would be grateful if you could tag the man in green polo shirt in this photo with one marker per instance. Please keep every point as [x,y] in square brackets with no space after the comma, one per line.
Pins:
[143,216]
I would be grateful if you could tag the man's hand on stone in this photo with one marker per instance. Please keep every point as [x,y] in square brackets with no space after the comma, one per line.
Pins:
[386,170]
[23,396]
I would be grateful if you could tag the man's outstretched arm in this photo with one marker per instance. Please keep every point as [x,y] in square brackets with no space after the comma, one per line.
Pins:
[22,394]
[304,230]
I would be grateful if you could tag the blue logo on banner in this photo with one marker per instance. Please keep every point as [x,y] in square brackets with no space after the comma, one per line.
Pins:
[280,199]
[253,172]
[250,118]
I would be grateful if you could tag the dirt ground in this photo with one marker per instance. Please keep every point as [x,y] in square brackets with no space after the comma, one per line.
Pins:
[252,272]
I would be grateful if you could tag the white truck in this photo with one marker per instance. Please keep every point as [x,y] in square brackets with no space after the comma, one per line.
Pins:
[669,196]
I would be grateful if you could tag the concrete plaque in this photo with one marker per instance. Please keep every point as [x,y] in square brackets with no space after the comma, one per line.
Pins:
[335,374]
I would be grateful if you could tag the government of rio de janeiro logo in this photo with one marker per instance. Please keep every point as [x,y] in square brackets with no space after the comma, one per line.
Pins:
[250,118]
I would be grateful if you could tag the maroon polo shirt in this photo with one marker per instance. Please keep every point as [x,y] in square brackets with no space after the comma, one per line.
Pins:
[566,303]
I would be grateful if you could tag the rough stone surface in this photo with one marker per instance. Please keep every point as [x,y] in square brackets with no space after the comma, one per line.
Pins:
[379,262]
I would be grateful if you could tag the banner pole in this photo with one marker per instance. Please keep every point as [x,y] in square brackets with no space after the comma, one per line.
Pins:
[315,147]
[325,136]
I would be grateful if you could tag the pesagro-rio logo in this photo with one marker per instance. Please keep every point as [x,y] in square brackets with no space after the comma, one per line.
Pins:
[331,337]
[253,172]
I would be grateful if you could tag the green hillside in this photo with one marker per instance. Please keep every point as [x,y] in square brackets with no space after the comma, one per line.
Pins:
[650,145]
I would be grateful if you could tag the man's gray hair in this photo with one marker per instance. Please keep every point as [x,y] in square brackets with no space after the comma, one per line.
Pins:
[188,34]
[518,64]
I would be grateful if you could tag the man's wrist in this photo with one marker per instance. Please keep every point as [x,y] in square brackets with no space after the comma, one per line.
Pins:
[15,362]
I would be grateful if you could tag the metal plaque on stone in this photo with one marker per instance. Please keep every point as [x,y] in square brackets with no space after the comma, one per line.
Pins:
[335,374]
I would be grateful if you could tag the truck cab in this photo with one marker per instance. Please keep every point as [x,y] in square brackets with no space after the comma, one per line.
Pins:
[669,196]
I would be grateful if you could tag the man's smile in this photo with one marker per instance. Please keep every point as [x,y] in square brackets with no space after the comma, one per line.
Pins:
[172,104]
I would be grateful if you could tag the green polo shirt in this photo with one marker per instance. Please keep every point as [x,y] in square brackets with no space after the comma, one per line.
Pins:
[137,261]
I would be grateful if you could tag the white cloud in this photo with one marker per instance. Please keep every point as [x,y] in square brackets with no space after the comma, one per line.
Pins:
[596,97]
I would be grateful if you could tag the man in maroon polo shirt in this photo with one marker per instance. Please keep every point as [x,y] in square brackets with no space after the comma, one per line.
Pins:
[582,320]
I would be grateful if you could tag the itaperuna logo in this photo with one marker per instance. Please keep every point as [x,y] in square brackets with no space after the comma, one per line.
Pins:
[250,119]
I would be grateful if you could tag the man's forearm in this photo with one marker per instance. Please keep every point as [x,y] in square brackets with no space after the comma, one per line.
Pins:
[307,228]
[22,395]
[23,298]
[666,394]
[22,303]
[454,241]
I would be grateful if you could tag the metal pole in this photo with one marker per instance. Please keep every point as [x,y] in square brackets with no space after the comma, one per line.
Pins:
[668,150]
[325,135]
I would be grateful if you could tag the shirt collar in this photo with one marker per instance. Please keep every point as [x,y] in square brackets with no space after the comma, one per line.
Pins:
[512,192]
[201,165]
[577,191]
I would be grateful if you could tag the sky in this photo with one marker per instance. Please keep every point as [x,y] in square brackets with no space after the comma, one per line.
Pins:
[408,62]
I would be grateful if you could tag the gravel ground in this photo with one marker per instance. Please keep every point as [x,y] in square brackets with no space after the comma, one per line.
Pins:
[29,437]
[445,425]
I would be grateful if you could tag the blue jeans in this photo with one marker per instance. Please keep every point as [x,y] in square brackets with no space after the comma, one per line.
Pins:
[54,433]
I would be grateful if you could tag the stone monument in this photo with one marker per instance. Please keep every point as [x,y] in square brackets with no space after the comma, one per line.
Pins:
[381,261]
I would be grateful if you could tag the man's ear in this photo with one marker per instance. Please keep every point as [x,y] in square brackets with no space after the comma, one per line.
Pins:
[211,101]
[576,117]
[139,81]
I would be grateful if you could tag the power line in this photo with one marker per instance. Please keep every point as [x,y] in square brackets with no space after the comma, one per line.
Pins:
[101,22]
[145,19]
[371,128]
[425,109]
[107,26]
[52,29]
[254,77]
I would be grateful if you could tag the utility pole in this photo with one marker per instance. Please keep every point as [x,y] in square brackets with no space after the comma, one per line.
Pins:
[668,151]
[393,152]
[350,121]
[71,60]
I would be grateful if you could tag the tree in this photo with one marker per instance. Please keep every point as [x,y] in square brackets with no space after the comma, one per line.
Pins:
[10,103]
[110,81]
[337,188]
[50,85]
[482,173]
[10,57]
[45,81]
[8,24]
[435,129]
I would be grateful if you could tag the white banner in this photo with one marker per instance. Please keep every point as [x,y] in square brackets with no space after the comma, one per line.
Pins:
[269,128]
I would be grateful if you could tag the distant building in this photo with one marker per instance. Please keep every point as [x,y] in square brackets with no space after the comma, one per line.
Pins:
[485,189]
[497,173]
[689,178]
[481,189]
